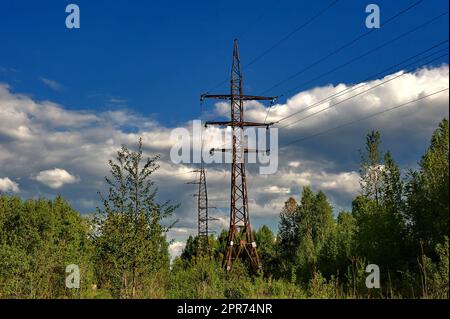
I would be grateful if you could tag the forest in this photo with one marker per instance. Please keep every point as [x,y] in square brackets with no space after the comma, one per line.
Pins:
[398,221]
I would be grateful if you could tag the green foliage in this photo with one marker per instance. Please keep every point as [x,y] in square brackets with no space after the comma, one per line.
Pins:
[434,276]
[288,238]
[379,212]
[345,240]
[391,224]
[321,288]
[306,236]
[38,239]
[219,246]
[371,169]
[206,278]
[427,195]
[130,238]
[190,249]
[399,223]
[266,248]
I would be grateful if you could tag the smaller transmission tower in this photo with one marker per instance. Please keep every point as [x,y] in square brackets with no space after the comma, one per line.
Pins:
[203,216]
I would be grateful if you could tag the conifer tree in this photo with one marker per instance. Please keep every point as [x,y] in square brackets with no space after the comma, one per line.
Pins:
[131,237]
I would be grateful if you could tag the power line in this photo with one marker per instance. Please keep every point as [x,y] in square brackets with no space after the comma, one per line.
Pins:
[358,94]
[360,57]
[364,118]
[353,88]
[368,52]
[342,47]
[290,34]
[279,42]
[350,89]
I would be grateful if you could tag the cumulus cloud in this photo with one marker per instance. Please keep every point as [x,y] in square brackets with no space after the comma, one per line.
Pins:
[294,164]
[406,87]
[7,185]
[176,248]
[76,145]
[56,178]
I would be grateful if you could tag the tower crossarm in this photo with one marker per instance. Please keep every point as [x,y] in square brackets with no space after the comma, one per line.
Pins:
[246,150]
[238,124]
[238,97]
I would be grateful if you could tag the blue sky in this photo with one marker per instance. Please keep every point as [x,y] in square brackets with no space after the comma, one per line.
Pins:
[156,57]
[70,98]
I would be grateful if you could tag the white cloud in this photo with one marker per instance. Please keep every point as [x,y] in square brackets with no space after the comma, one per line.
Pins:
[52,84]
[180,230]
[38,135]
[176,248]
[7,185]
[401,90]
[294,164]
[56,178]
[347,182]
[22,118]
[277,190]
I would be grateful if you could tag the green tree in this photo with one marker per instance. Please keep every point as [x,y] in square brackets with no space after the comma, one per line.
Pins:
[265,240]
[189,250]
[288,238]
[427,195]
[345,237]
[317,246]
[371,168]
[380,210]
[306,238]
[130,237]
[392,188]
[38,239]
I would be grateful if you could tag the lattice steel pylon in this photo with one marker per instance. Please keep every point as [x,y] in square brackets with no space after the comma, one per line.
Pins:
[203,247]
[240,237]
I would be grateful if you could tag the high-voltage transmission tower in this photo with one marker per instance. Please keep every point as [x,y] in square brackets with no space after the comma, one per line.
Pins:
[203,217]
[240,237]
